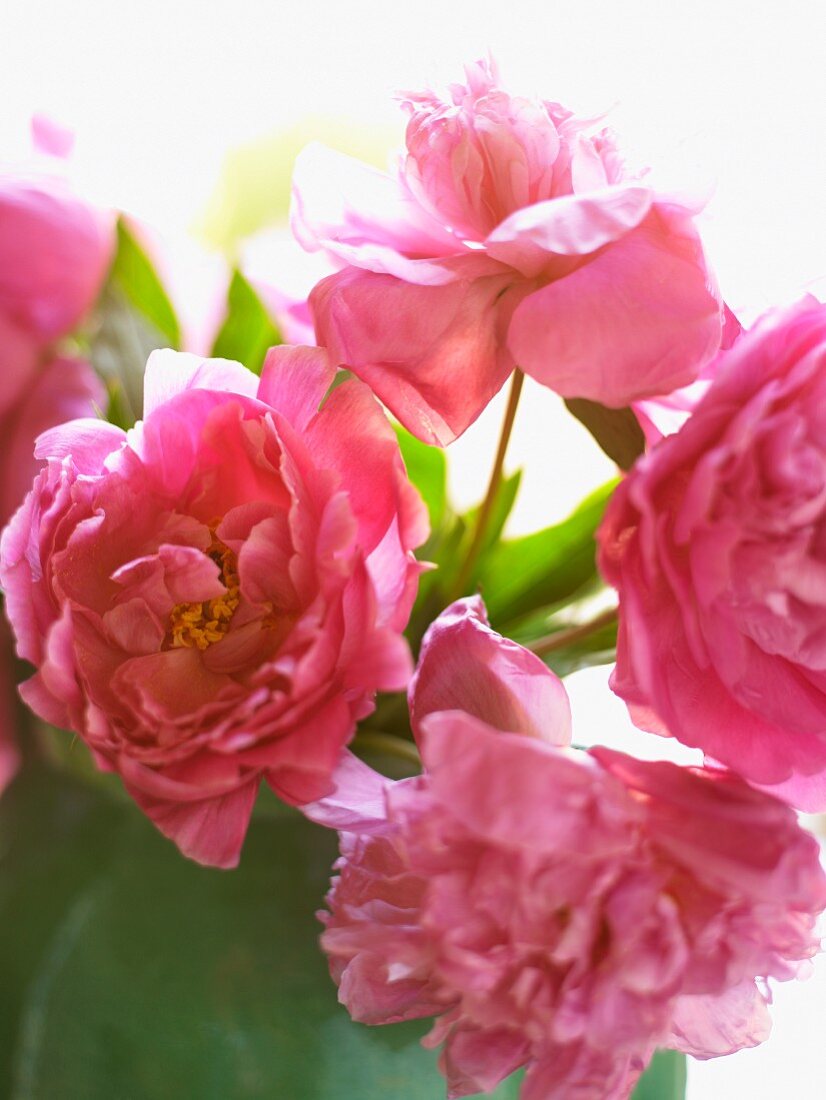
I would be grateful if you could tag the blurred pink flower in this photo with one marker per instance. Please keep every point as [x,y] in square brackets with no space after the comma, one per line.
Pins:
[9,756]
[716,542]
[54,252]
[215,597]
[510,236]
[62,389]
[561,910]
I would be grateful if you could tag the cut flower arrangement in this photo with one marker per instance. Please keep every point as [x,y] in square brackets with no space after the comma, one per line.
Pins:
[241,601]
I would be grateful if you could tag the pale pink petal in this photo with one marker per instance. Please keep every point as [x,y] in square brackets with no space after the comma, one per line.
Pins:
[172,372]
[572,225]
[87,442]
[356,802]
[50,137]
[363,215]
[709,1026]
[465,665]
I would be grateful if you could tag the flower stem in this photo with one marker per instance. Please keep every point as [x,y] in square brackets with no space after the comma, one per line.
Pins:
[486,508]
[562,638]
[389,744]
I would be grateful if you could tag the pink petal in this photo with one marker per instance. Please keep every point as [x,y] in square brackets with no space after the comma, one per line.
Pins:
[572,225]
[87,442]
[434,355]
[637,319]
[49,137]
[208,829]
[709,1026]
[506,786]
[21,352]
[352,435]
[465,665]
[356,802]
[294,381]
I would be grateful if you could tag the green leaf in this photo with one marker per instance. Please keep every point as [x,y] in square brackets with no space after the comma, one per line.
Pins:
[133,273]
[598,647]
[522,575]
[248,331]
[617,431]
[118,351]
[128,971]
[427,469]
[502,508]
[665,1078]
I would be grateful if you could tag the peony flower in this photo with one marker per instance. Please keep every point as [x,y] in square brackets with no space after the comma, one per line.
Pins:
[511,235]
[213,598]
[716,543]
[562,910]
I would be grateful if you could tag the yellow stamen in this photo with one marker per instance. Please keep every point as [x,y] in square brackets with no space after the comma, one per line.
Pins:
[200,625]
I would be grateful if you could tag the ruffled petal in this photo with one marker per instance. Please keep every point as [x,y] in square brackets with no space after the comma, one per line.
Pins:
[365,217]
[572,225]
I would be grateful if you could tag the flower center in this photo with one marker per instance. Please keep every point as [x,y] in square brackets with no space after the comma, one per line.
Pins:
[200,625]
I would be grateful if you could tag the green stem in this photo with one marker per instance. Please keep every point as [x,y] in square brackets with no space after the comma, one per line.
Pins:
[388,743]
[484,513]
[562,638]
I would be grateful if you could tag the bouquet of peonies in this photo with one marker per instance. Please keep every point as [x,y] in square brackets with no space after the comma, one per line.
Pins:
[213,565]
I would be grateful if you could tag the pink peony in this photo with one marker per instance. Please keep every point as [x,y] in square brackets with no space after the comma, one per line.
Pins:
[716,543]
[214,597]
[563,910]
[510,236]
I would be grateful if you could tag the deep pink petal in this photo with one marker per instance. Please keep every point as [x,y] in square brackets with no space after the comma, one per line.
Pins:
[294,381]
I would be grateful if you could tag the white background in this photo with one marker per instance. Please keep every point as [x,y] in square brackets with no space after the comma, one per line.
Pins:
[724,93]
